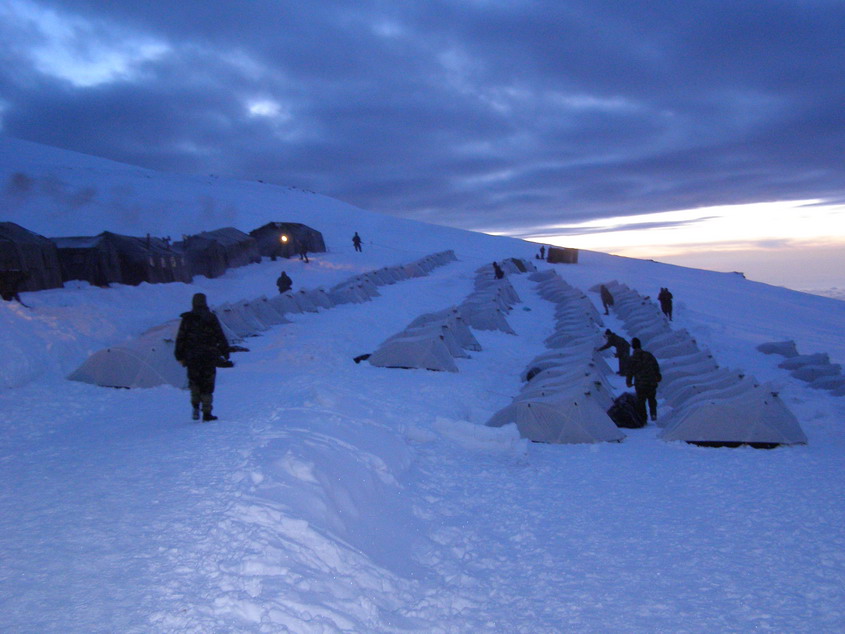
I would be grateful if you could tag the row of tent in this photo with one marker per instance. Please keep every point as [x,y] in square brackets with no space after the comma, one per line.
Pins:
[566,395]
[434,340]
[148,361]
[814,369]
[31,262]
[709,405]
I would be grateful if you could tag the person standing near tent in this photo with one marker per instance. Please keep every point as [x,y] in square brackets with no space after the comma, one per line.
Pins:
[284,283]
[200,347]
[606,298]
[356,241]
[643,374]
[665,299]
[622,349]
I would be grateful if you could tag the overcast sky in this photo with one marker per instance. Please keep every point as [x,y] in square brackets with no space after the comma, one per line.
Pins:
[493,115]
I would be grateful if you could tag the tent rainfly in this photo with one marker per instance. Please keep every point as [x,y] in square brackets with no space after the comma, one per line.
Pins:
[564,420]
[758,418]
[424,352]
[143,362]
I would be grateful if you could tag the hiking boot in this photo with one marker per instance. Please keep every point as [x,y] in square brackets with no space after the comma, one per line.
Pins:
[207,416]
[196,413]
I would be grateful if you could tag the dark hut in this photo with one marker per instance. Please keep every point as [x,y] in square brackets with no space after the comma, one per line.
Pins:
[111,257]
[28,261]
[562,255]
[210,253]
[284,239]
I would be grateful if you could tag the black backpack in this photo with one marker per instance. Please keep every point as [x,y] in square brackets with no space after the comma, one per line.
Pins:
[623,412]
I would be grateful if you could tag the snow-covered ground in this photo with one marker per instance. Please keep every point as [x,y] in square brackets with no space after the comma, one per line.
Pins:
[332,496]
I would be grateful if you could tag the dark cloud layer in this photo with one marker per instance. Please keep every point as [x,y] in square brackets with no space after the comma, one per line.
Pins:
[484,114]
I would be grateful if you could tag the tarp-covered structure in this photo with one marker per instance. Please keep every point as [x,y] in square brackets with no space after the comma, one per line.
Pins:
[284,239]
[211,253]
[113,258]
[562,255]
[28,261]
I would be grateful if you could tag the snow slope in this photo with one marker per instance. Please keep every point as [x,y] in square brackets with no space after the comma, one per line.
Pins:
[333,496]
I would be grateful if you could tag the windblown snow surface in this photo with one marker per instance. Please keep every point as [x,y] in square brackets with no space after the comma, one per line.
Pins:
[332,496]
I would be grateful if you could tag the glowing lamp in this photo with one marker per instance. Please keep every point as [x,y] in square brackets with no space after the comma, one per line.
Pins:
[283,238]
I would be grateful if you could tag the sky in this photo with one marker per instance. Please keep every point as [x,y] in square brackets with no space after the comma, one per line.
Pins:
[514,118]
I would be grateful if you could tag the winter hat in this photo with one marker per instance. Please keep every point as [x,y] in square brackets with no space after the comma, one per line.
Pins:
[199,301]
[635,343]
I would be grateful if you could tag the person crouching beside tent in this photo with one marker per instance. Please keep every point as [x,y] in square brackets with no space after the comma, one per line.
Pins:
[644,374]
[622,349]
[201,347]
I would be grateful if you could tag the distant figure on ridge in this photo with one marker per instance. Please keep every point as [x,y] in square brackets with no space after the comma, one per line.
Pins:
[620,344]
[497,271]
[201,347]
[543,253]
[284,283]
[356,241]
[606,298]
[665,299]
[644,374]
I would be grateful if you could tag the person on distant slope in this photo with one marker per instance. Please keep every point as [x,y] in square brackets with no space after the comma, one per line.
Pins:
[497,271]
[665,299]
[622,349]
[284,283]
[606,298]
[356,241]
[644,374]
[201,346]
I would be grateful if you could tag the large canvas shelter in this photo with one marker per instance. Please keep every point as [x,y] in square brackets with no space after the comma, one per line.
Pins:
[211,253]
[284,239]
[28,261]
[113,258]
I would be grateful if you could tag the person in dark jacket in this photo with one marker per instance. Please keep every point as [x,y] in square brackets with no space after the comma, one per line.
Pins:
[644,374]
[356,241]
[497,271]
[665,299]
[303,252]
[284,283]
[200,347]
[606,299]
[622,349]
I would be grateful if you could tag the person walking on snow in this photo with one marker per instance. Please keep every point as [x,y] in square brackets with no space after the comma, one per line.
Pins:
[665,299]
[622,349]
[606,298]
[200,346]
[497,271]
[643,374]
[356,241]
